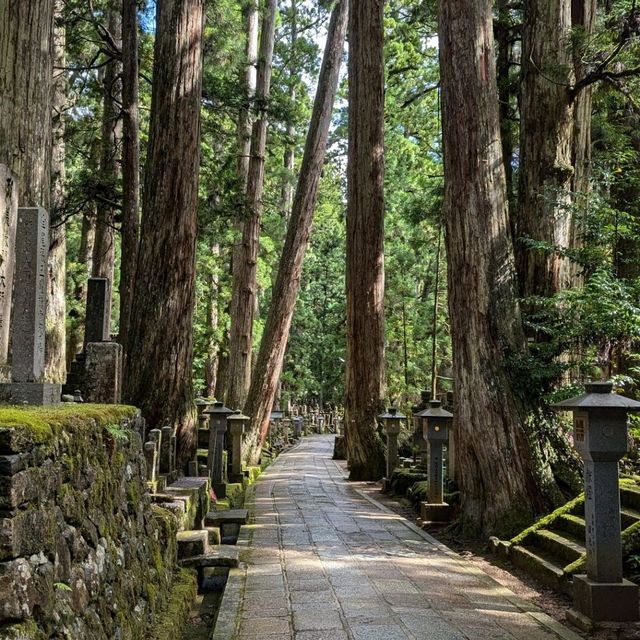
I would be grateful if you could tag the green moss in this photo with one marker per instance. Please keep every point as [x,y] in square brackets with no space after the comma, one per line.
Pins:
[24,631]
[543,523]
[171,621]
[24,427]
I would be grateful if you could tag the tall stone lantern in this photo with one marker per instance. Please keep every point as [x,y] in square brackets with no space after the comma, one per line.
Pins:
[392,422]
[436,425]
[600,436]
[218,415]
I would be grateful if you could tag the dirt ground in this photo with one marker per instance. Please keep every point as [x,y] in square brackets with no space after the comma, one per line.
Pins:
[477,552]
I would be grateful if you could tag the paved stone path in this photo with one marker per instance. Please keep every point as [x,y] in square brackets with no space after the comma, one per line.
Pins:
[326,562]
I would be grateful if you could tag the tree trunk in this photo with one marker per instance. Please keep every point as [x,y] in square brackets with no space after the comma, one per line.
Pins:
[75,339]
[130,162]
[365,376]
[546,133]
[26,67]
[245,260]
[266,378]
[158,372]
[213,350]
[107,195]
[286,195]
[583,18]
[494,462]
[55,350]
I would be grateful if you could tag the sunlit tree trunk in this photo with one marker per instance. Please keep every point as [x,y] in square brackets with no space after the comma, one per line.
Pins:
[365,376]
[266,377]
[130,162]
[26,31]
[546,136]
[245,260]
[55,350]
[213,352]
[111,138]
[494,462]
[158,372]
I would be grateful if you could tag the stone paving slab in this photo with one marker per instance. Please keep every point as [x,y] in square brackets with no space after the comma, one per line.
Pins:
[323,561]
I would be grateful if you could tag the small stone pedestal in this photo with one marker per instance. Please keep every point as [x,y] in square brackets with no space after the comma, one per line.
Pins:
[103,373]
[436,424]
[600,436]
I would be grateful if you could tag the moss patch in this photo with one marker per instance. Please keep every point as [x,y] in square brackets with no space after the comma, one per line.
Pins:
[171,621]
[22,428]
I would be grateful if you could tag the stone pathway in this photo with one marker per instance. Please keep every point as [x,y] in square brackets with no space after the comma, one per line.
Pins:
[326,562]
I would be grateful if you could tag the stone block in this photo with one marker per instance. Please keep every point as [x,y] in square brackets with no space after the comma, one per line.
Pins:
[438,512]
[30,295]
[19,488]
[33,393]
[98,313]
[103,373]
[18,594]
[606,601]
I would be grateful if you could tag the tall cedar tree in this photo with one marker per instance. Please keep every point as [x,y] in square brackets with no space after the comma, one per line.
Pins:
[158,372]
[546,133]
[130,161]
[495,467]
[26,71]
[266,377]
[245,260]
[365,376]
[55,351]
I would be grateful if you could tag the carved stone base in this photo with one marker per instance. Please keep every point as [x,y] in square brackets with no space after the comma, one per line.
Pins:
[34,393]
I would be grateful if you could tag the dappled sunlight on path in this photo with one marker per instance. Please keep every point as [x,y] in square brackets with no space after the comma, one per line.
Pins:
[324,561]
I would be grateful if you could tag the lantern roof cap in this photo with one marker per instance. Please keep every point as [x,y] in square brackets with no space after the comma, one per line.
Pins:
[435,410]
[599,395]
[218,408]
[391,413]
[238,415]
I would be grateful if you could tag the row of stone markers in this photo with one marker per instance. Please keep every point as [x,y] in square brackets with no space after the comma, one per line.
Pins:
[600,434]
[24,250]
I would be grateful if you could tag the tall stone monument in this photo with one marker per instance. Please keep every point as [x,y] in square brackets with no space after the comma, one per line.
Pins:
[29,307]
[8,220]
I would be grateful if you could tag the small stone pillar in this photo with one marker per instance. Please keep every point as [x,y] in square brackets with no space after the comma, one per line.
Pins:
[286,423]
[165,450]
[150,455]
[237,423]
[600,436]
[218,414]
[97,326]
[436,423]
[392,420]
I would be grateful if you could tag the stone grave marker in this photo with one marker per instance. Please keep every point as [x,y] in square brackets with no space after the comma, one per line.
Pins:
[29,308]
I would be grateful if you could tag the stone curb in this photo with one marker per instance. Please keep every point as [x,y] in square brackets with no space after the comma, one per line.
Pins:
[523,605]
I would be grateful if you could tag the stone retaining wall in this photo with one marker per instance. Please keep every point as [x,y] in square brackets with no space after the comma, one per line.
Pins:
[83,553]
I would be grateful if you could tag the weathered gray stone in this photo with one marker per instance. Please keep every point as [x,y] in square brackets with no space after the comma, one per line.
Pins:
[98,314]
[103,373]
[8,222]
[35,393]
[30,295]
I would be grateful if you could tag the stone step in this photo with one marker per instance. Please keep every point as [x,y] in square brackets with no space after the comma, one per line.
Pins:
[229,516]
[562,546]
[192,543]
[214,536]
[195,491]
[540,564]
[630,497]
[628,517]
[574,525]
[222,556]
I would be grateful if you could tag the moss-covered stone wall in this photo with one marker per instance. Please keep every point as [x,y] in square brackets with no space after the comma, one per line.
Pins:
[83,552]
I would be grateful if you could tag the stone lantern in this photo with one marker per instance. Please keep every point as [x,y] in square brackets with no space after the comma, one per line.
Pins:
[274,422]
[392,421]
[436,425]
[237,423]
[600,436]
[218,415]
